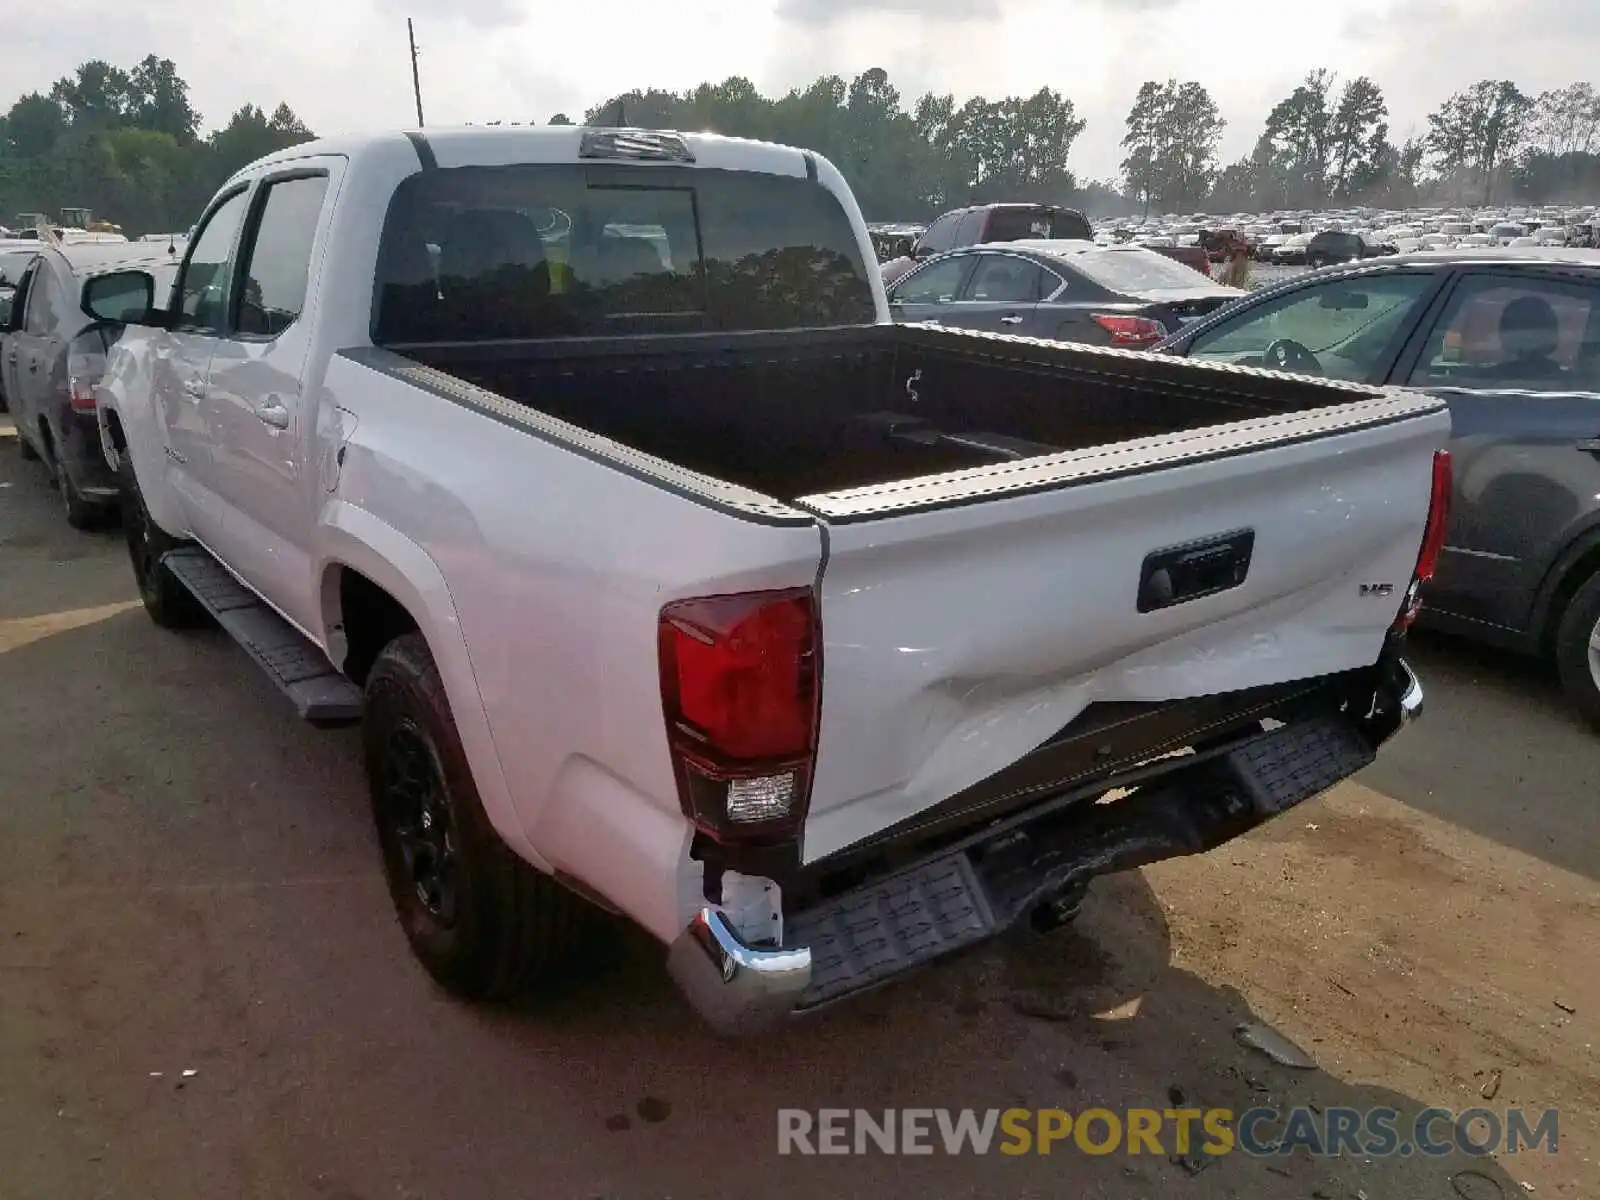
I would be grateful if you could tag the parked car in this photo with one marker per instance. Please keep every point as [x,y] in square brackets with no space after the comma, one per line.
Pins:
[52,357]
[820,646]
[981,223]
[1511,341]
[1292,250]
[1071,291]
[1334,246]
[13,263]
[1265,250]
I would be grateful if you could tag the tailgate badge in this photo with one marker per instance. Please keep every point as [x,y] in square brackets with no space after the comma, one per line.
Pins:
[1377,589]
[911,385]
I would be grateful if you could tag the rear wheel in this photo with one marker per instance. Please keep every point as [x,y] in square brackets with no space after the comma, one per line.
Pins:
[81,513]
[484,923]
[1578,650]
[169,603]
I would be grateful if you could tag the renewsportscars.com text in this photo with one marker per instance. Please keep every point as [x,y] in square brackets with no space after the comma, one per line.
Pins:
[1260,1132]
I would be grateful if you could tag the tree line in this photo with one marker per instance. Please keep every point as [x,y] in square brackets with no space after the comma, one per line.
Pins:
[126,143]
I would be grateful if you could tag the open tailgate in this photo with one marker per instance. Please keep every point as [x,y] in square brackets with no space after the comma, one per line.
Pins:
[968,617]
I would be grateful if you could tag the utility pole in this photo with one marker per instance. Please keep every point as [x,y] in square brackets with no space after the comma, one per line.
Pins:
[416,80]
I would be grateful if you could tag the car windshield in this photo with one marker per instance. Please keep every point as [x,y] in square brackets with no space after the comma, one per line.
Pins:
[534,251]
[1134,271]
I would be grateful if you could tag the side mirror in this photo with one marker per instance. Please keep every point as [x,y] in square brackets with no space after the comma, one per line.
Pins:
[126,297]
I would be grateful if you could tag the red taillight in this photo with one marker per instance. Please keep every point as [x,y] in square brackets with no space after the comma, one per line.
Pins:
[739,688]
[1432,539]
[1128,330]
[84,371]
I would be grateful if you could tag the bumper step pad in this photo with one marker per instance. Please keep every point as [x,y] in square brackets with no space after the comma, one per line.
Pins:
[301,671]
[881,930]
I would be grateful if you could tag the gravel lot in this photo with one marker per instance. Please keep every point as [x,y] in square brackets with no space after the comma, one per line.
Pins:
[189,883]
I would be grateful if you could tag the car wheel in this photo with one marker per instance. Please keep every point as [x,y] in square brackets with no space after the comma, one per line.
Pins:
[1578,650]
[1317,260]
[81,513]
[482,922]
[169,603]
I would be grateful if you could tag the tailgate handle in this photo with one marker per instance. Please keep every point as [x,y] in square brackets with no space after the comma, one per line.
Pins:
[1179,574]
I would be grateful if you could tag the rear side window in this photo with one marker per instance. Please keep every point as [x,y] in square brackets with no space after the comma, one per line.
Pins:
[278,257]
[1532,334]
[1004,279]
[536,251]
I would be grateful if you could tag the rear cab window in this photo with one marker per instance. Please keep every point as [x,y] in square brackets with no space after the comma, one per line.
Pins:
[579,250]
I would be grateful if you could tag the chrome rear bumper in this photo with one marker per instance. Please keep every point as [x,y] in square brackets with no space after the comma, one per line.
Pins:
[960,900]
[737,988]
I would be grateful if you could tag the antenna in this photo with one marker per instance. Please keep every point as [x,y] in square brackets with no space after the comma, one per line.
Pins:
[416,80]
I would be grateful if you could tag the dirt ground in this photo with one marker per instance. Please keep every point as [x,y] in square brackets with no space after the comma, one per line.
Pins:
[189,882]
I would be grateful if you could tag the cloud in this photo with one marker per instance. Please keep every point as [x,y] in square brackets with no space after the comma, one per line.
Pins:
[482,14]
[827,12]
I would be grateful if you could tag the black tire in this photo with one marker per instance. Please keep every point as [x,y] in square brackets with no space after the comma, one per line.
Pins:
[169,603]
[1317,260]
[485,924]
[1577,664]
[81,513]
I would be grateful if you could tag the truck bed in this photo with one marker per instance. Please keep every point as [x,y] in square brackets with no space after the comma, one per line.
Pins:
[812,412]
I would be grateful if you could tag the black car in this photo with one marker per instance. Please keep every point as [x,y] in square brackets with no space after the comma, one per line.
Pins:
[52,355]
[1333,246]
[13,262]
[980,224]
[1070,291]
[1510,338]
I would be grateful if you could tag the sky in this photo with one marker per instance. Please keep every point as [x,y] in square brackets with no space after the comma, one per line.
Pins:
[343,65]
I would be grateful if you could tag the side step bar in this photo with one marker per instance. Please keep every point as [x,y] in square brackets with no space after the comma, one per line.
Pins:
[301,671]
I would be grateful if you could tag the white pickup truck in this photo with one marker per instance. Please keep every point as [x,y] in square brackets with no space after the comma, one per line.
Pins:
[666,575]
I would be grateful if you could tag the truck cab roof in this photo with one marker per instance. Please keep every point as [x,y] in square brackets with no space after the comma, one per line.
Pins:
[499,145]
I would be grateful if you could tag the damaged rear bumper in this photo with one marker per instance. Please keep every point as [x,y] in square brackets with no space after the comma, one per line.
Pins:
[1001,875]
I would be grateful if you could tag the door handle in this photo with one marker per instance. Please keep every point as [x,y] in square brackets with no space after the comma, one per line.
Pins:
[274,414]
[1011,319]
[193,387]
